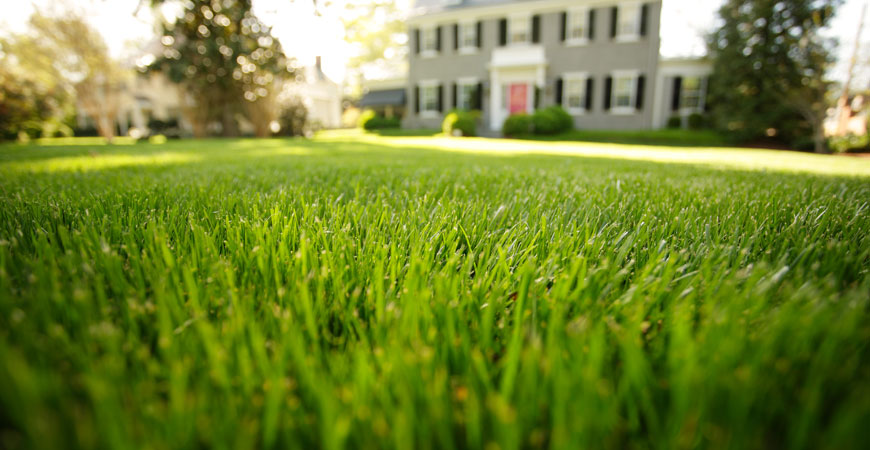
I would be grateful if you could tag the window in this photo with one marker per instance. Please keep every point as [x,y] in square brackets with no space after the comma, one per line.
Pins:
[429,40]
[625,85]
[629,21]
[429,97]
[468,36]
[576,23]
[465,93]
[520,30]
[691,95]
[574,96]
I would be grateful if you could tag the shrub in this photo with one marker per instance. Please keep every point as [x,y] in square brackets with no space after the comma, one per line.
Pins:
[517,125]
[552,120]
[697,121]
[675,122]
[460,123]
[370,120]
[848,144]
[294,119]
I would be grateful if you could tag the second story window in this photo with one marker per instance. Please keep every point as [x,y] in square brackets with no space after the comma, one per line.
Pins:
[577,31]
[520,30]
[468,36]
[429,40]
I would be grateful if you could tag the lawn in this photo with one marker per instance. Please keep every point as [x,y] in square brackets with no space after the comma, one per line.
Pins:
[360,291]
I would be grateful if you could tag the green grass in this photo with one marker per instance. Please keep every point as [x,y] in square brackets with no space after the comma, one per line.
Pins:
[358,291]
[665,137]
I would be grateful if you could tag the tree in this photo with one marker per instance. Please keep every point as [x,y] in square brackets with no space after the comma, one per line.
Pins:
[769,65]
[81,58]
[376,31]
[222,56]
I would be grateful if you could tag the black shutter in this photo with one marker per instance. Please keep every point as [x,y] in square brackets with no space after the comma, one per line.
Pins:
[644,14]
[564,22]
[559,91]
[502,32]
[590,85]
[613,13]
[417,41]
[591,26]
[608,87]
[479,33]
[440,98]
[675,95]
[536,28]
[417,99]
[455,36]
[478,97]
[641,81]
[438,39]
[453,102]
[707,101]
[537,102]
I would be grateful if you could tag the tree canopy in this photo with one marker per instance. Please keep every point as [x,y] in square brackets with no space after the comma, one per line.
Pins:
[769,64]
[226,62]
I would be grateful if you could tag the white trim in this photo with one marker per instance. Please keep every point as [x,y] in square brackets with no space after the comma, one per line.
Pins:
[632,101]
[638,8]
[429,52]
[500,10]
[464,49]
[468,80]
[524,16]
[429,83]
[583,12]
[428,113]
[574,77]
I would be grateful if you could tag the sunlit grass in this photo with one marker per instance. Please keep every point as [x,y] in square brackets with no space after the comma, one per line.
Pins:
[357,291]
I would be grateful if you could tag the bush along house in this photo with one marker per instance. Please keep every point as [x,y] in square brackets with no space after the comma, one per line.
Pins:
[598,59]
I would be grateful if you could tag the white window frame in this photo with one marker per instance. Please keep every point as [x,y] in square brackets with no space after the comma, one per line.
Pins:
[429,41]
[468,31]
[578,78]
[463,102]
[513,21]
[573,17]
[632,92]
[427,88]
[628,22]
[701,90]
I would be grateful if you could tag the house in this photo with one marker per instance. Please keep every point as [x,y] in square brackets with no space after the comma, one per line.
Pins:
[320,95]
[680,89]
[597,58]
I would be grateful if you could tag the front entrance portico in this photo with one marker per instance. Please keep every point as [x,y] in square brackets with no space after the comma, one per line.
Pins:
[515,73]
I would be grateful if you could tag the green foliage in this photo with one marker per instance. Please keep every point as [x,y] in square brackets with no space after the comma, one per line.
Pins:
[294,120]
[850,144]
[769,63]
[225,59]
[551,120]
[673,137]
[370,120]
[517,125]
[350,292]
[460,122]
[696,121]
[675,122]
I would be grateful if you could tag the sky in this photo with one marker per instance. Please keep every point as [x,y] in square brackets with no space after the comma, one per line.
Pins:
[304,35]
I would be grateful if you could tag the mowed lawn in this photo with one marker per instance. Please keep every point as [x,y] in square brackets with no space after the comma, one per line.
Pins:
[432,293]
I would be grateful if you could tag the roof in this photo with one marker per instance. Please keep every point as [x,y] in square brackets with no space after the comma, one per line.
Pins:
[383,98]
[432,6]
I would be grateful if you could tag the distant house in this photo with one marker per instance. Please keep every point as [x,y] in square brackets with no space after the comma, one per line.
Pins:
[320,95]
[599,59]
[681,89]
[385,96]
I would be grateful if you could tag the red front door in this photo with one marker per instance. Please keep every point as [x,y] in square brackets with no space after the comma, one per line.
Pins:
[518,98]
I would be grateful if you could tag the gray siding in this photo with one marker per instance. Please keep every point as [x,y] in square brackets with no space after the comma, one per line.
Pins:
[599,58]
